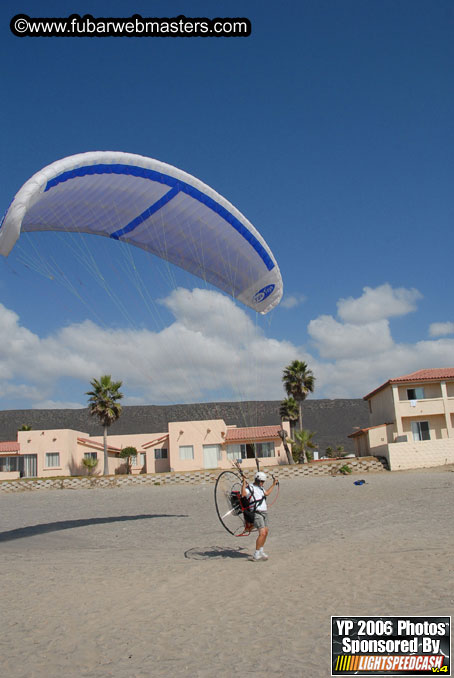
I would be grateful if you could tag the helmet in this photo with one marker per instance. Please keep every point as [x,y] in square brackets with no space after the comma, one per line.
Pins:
[260,475]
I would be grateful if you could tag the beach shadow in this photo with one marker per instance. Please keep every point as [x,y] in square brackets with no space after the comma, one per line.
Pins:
[215,552]
[33,530]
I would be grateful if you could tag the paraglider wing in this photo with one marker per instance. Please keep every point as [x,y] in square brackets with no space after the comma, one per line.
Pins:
[154,206]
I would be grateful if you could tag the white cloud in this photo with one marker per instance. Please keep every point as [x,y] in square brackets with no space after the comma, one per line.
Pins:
[378,304]
[355,377]
[344,340]
[360,348]
[441,329]
[292,300]
[214,313]
[212,350]
[211,347]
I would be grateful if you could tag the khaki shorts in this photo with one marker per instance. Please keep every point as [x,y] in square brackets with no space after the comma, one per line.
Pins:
[260,519]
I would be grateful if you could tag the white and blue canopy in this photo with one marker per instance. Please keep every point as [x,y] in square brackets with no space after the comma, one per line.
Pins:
[154,206]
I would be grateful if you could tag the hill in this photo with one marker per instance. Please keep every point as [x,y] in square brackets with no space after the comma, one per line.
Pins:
[333,420]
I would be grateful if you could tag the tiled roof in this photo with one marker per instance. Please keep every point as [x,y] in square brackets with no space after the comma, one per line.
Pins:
[9,447]
[96,445]
[423,375]
[360,431]
[252,433]
[155,441]
[435,374]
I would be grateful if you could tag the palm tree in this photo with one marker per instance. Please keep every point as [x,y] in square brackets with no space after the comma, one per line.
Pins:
[103,403]
[283,436]
[298,382]
[304,443]
[289,411]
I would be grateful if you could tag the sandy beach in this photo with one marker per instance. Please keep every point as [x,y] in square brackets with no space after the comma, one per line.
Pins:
[144,582]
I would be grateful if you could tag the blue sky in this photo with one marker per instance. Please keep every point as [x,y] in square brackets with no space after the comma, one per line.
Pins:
[330,128]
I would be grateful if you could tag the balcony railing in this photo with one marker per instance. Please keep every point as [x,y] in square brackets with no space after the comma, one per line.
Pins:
[424,407]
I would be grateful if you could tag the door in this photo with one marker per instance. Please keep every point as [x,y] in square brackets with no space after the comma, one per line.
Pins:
[29,465]
[211,455]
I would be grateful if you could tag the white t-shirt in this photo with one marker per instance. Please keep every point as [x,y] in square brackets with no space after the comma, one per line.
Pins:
[257,493]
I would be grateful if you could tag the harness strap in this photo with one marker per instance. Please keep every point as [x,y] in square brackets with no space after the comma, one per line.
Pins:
[255,502]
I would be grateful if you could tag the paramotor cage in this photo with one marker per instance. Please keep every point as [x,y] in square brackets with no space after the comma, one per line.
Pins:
[234,511]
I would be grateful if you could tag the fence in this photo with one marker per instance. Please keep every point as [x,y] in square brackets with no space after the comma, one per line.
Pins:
[316,468]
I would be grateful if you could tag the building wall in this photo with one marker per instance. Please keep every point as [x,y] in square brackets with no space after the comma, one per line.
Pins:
[396,442]
[381,407]
[437,407]
[63,441]
[450,389]
[138,440]
[431,390]
[374,441]
[424,454]
[211,432]
[197,434]
[382,435]
[437,426]
[362,445]
[9,475]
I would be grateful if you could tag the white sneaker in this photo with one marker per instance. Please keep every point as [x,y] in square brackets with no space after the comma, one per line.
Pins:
[264,555]
[258,556]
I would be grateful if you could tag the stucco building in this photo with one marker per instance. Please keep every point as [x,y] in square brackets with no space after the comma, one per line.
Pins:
[184,446]
[411,420]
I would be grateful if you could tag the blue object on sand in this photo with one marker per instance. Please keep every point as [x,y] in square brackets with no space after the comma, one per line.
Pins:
[359,482]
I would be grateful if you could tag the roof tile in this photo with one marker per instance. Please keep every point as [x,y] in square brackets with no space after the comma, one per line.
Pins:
[433,374]
[252,433]
[436,373]
[9,447]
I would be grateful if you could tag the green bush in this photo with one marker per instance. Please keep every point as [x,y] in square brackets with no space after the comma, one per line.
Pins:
[345,469]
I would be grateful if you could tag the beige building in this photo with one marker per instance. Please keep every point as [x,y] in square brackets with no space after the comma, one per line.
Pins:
[185,446]
[411,420]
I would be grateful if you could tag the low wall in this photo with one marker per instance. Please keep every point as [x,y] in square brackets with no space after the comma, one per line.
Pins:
[422,454]
[315,468]
[9,475]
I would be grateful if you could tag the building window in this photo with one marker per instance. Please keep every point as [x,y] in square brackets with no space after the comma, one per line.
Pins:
[186,452]
[415,393]
[420,430]
[249,451]
[234,452]
[243,451]
[161,453]
[265,449]
[52,459]
[9,463]
[143,458]
[90,455]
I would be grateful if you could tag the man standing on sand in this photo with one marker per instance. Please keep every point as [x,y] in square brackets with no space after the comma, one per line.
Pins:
[257,509]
